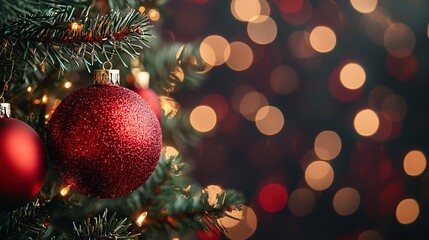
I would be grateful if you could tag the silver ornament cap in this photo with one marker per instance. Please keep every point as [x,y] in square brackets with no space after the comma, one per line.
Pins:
[106,76]
[5,110]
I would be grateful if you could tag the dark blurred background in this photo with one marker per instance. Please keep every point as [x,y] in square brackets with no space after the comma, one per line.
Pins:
[316,110]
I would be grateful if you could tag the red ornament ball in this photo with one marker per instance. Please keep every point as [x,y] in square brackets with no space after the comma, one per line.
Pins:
[104,141]
[151,98]
[22,164]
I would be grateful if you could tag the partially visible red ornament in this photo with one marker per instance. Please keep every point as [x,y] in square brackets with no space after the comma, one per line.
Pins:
[142,88]
[22,162]
[151,98]
[104,140]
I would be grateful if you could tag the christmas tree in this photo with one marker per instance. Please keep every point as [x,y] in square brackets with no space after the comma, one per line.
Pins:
[103,140]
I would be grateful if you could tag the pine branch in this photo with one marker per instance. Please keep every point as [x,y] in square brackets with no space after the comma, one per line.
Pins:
[179,131]
[104,227]
[127,4]
[172,66]
[25,222]
[11,9]
[179,206]
[57,38]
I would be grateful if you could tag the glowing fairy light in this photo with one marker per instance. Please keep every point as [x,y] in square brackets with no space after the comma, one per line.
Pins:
[45,98]
[65,190]
[76,26]
[140,219]
[68,84]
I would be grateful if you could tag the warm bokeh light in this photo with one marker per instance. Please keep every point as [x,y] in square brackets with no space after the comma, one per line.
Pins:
[377,95]
[366,122]
[407,211]
[153,14]
[262,30]
[142,9]
[170,152]
[265,10]
[140,219]
[364,6]
[245,10]
[68,84]
[323,39]
[203,118]
[319,175]
[327,145]
[299,44]
[142,79]
[273,197]
[241,56]
[414,163]
[207,54]
[375,24]
[251,103]
[29,89]
[346,201]
[213,191]
[370,235]
[395,106]
[238,94]
[240,229]
[301,202]
[65,190]
[284,80]
[220,47]
[269,120]
[399,40]
[352,76]
[289,6]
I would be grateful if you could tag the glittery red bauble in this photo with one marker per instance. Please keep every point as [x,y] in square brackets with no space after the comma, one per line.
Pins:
[104,141]
[22,164]
[150,96]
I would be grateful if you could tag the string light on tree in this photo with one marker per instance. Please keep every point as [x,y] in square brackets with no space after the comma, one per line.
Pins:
[65,190]
[140,219]
[76,26]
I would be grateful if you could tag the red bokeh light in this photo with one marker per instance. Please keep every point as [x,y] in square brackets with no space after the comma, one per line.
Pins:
[402,68]
[218,103]
[300,17]
[200,1]
[289,6]
[273,197]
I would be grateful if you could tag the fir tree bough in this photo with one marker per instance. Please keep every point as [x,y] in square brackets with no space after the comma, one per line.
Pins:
[40,39]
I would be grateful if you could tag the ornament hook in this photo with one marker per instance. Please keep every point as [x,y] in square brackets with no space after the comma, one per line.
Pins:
[110,64]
